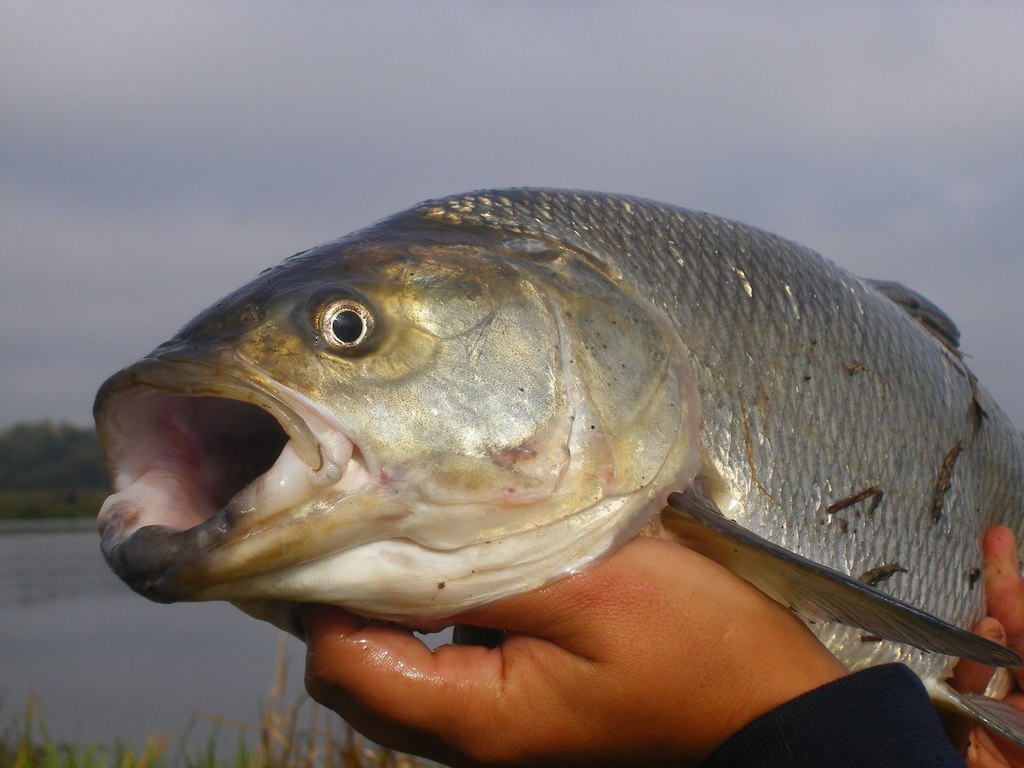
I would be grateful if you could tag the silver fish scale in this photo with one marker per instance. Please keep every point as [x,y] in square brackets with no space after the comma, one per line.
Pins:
[828,413]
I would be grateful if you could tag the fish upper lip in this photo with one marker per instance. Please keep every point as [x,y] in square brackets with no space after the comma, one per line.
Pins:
[173,375]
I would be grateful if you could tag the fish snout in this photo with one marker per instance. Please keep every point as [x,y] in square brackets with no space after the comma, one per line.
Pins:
[155,560]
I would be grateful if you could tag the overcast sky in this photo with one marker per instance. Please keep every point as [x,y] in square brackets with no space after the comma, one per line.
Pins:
[155,155]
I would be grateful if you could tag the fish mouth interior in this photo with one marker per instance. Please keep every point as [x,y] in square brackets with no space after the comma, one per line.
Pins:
[176,460]
[204,466]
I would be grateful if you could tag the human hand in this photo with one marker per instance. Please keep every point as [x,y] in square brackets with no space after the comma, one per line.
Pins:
[1004,600]
[652,656]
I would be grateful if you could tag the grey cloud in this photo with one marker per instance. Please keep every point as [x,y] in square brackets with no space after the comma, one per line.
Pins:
[156,155]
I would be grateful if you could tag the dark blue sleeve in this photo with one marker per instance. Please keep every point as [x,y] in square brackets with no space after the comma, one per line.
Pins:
[878,717]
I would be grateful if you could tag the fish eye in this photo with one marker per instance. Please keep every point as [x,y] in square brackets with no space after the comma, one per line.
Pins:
[345,324]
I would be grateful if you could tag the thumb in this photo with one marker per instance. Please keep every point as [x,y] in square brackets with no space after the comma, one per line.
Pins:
[1004,589]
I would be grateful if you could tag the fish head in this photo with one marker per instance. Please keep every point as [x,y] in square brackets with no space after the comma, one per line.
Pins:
[407,424]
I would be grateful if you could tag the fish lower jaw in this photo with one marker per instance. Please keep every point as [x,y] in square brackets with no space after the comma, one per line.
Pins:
[160,534]
[166,498]
[420,579]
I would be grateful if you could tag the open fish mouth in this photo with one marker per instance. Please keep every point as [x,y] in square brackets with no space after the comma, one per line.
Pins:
[200,458]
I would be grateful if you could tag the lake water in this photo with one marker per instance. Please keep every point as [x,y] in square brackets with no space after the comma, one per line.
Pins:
[106,664]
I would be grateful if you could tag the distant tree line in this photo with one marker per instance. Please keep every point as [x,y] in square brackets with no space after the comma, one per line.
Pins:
[43,454]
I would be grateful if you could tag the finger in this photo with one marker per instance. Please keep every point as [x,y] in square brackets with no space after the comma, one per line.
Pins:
[1004,588]
[983,753]
[972,676]
[392,651]
[988,751]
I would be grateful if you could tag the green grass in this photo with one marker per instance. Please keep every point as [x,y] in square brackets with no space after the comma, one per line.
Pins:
[26,744]
[289,734]
[51,504]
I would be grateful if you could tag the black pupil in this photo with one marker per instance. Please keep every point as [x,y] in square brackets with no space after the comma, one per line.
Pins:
[347,326]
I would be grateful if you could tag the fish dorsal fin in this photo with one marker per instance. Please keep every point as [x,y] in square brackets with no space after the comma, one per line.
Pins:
[937,322]
[814,591]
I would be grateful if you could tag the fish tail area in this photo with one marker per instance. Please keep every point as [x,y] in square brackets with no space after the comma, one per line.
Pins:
[997,716]
[815,591]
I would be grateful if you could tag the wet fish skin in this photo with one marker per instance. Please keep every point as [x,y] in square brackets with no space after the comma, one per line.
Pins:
[837,424]
[825,417]
[814,386]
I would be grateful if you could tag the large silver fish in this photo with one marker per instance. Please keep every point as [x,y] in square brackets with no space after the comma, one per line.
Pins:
[488,391]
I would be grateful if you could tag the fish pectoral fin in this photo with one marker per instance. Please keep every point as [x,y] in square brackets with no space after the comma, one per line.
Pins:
[997,716]
[814,591]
